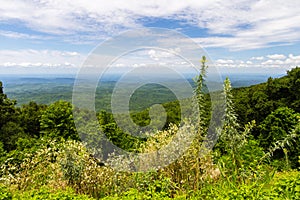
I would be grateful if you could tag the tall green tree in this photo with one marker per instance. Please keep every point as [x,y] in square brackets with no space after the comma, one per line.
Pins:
[10,129]
[294,88]
[30,117]
[7,108]
[57,121]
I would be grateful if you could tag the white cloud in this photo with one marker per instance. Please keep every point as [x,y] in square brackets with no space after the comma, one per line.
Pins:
[29,58]
[276,56]
[250,24]
[268,62]
[291,56]
[223,61]
[284,62]
[257,58]
[17,35]
[163,54]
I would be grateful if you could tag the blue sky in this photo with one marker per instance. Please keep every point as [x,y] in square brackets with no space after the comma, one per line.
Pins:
[54,36]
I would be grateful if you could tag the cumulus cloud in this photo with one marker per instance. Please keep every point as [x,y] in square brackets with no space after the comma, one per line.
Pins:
[163,54]
[238,25]
[276,56]
[274,61]
[257,58]
[222,61]
[27,58]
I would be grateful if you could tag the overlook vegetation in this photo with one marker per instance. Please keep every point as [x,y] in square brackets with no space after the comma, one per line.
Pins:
[255,157]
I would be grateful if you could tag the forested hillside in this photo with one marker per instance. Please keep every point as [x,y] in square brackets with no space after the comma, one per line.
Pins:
[275,106]
[256,155]
[258,101]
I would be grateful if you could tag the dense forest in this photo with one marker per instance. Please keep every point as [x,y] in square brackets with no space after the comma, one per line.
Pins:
[256,155]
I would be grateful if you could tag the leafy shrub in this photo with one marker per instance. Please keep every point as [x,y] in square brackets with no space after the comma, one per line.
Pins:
[285,185]
[72,162]
[5,194]
[57,121]
[47,193]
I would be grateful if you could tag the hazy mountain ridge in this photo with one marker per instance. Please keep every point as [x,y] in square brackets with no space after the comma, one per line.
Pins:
[50,88]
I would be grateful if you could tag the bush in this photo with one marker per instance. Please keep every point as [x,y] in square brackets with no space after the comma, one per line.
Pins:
[5,194]
[46,193]
[285,185]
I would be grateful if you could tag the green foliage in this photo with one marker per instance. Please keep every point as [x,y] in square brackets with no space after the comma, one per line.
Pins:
[284,186]
[38,163]
[7,108]
[18,123]
[34,170]
[134,194]
[202,101]
[294,88]
[10,129]
[25,146]
[250,154]
[150,94]
[258,101]
[48,193]
[5,194]
[276,127]
[2,153]
[172,109]
[150,185]
[57,121]
[117,136]
[10,132]
[233,144]
[225,190]
[30,118]
[72,163]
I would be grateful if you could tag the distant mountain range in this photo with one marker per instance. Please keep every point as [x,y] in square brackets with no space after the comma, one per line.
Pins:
[49,88]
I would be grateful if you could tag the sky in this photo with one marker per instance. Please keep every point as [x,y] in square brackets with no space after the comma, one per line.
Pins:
[55,36]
